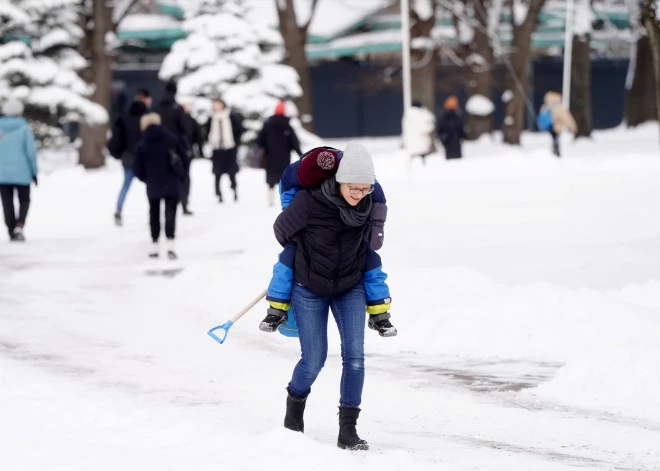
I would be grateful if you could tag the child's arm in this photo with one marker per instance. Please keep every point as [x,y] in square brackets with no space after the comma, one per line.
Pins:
[377,291]
[281,284]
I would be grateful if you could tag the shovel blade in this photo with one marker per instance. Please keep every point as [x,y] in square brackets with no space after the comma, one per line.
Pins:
[219,333]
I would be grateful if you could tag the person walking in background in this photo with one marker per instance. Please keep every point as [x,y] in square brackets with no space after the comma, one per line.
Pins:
[451,129]
[175,120]
[195,136]
[418,128]
[194,139]
[224,135]
[126,134]
[277,138]
[161,161]
[555,118]
[18,166]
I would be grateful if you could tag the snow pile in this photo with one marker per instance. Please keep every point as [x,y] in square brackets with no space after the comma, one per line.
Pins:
[226,55]
[507,260]
[583,19]
[520,11]
[479,105]
[625,379]
[44,74]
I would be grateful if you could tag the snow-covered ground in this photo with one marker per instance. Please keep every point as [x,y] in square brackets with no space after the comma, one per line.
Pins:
[526,290]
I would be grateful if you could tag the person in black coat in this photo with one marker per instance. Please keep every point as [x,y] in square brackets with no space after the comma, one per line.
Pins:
[154,166]
[224,132]
[126,134]
[195,133]
[451,130]
[278,139]
[175,120]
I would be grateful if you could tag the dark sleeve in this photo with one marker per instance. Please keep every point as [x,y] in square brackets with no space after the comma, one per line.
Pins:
[206,130]
[261,138]
[117,143]
[294,143]
[461,131]
[293,219]
[197,135]
[139,163]
[237,127]
[184,128]
[376,233]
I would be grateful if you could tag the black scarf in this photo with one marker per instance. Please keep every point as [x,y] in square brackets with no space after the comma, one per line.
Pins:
[353,216]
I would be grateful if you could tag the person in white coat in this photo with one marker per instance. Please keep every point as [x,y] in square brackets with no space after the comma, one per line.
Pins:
[418,130]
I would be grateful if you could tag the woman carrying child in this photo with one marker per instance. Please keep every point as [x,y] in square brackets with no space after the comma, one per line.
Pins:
[328,226]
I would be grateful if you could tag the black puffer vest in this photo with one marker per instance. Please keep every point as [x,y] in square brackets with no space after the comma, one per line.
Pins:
[331,255]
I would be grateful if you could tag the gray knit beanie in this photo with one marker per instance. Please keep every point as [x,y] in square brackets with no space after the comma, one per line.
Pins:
[356,166]
[12,107]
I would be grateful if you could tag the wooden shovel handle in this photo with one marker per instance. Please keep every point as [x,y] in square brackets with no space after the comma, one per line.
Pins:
[253,303]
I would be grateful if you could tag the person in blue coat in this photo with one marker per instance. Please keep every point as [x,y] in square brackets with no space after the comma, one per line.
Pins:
[18,166]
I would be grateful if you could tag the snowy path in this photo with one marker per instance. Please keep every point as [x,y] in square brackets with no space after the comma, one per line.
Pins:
[105,367]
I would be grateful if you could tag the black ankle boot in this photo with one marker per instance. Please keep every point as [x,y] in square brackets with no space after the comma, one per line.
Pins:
[295,408]
[348,437]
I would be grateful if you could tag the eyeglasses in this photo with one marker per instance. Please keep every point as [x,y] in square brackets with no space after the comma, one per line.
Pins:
[355,191]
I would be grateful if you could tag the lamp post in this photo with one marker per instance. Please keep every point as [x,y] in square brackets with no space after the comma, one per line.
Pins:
[568,53]
[405,54]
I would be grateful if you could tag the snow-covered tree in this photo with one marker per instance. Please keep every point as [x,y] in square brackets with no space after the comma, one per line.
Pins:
[524,18]
[39,66]
[226,56]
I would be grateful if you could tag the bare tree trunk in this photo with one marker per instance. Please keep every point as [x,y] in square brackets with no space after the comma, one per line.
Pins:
[514,120]
[97,22]
[295,40]
[479,66]
[652,25]
[99,73]
[581,85]
[423,59]
[640,93]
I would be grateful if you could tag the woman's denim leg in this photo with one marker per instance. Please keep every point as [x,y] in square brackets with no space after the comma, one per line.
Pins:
[311,313]
[349,310]
[128,178]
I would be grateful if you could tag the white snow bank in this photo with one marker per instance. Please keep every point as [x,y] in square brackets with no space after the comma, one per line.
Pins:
[479,105]
[520,11]
[14,49]
[83,425]
[624,380]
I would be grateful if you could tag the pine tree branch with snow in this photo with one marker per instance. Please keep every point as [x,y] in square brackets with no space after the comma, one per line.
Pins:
[226,56]
[40,68]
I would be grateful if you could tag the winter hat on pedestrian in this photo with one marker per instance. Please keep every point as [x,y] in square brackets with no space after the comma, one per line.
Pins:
[280,109]
[451,103]
[318,165]
[12,107]
[356,166]
[149,119]
[171,86]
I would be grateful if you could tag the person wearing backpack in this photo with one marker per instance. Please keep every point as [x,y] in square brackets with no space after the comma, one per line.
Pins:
[161,161]
[555,118]
[126,134]
[18,166]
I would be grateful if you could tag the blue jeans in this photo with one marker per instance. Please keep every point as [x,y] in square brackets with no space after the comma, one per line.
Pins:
[311,312]
[128,178]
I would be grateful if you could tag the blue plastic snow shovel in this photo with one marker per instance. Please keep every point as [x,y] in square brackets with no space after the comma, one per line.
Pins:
[224,328]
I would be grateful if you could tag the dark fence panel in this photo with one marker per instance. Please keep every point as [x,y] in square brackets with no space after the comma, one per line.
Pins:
[353,98]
